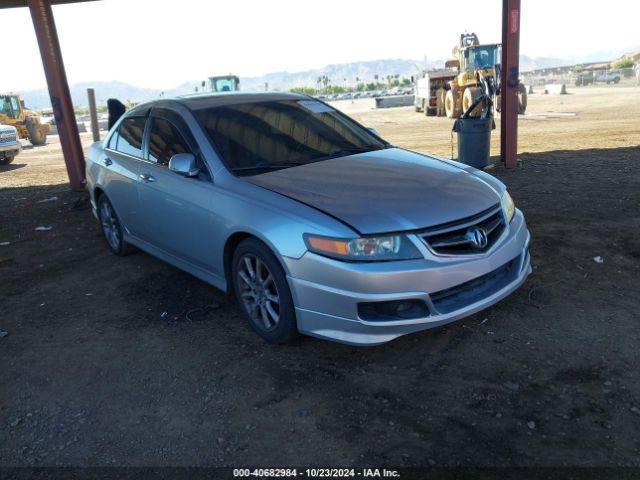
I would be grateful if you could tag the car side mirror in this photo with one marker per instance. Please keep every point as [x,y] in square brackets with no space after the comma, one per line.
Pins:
[374,131]
[184,164]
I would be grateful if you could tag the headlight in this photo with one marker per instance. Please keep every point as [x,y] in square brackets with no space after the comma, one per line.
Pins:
[508,207]
[365,249]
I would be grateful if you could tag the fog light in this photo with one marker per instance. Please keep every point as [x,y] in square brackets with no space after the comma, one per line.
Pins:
[393,310]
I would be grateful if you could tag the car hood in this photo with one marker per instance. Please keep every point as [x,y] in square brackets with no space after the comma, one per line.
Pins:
[382,191]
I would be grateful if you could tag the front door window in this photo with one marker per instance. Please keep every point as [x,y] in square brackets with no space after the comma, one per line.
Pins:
[15,106]
[9,107]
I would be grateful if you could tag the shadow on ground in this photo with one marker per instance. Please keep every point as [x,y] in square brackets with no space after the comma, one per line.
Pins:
[102,367]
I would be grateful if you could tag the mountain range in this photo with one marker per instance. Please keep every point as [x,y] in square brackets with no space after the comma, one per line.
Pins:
[339,74]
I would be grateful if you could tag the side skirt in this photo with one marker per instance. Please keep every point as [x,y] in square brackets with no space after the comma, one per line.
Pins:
[204,275]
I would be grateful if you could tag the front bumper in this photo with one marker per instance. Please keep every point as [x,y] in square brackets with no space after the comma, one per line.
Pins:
[10,149]
[326,292]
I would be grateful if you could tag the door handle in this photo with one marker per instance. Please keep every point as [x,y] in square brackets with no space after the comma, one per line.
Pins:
[145,177]
[107,161]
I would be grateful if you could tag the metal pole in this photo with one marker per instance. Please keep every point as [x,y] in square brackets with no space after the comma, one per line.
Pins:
[47,36]
[509,82]
[95,128]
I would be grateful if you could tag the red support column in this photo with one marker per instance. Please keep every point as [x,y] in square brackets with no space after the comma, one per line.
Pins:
[509,80]
[47,36]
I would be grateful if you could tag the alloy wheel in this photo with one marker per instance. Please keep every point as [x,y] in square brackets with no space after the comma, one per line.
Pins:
[258,292]
[110,226]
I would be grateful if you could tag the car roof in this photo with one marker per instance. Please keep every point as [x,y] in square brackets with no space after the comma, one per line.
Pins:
[199,101]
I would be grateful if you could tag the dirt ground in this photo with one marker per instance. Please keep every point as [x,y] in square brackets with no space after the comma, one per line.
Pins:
[108,361]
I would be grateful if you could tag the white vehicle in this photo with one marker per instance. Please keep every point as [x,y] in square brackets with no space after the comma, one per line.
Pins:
[10,145]
[607,77]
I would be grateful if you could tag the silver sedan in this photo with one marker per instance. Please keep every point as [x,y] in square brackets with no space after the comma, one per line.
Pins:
[315,223]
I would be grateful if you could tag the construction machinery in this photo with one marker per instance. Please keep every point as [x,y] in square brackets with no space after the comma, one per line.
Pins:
[472,62]
[26,122]
[224,83]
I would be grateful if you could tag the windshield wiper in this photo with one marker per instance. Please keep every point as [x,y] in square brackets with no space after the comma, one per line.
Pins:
[267,166]
[343,152]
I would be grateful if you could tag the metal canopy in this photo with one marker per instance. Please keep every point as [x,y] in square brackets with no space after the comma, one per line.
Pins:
[23,3]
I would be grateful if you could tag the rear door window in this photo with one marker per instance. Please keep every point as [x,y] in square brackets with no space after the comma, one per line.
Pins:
[113,141]
[131,132]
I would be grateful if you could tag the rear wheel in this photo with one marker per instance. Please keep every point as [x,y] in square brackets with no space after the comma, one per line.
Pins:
[111,227]
[263,293]
[6,160]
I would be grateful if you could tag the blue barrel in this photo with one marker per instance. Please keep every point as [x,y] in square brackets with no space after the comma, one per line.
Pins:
[474,140]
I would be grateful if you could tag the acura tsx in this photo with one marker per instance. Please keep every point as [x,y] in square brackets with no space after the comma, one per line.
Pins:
[315,223]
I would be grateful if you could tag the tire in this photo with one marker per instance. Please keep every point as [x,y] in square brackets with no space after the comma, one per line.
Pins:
[450,105]
[6,160]
[431,111]
[37,136]
[522,99]
[267,304]
[112,228]
[470,95]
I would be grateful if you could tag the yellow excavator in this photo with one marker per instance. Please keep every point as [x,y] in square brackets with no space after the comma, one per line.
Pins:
[27,122]
[474,61]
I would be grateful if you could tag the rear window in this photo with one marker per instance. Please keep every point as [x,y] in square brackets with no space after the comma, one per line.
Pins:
[277,134]
[130,136]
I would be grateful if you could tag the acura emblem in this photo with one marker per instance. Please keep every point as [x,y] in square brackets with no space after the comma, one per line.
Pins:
[477,237]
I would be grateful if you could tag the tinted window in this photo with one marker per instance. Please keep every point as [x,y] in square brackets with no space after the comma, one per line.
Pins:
[130,140]
[256,136]
[113,141]
[165,141]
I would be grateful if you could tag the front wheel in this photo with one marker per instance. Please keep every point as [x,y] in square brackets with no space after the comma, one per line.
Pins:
[6,160]
[470,95]
[37,136]
[451,105]
[262,291]
[522,99]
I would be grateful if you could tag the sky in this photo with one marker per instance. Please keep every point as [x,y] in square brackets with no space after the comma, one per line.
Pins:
[162,43]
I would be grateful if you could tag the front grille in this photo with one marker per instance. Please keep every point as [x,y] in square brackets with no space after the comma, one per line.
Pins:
[8,136]
[468,293]
[475,234]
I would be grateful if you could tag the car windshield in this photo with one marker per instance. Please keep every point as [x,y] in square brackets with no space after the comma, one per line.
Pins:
[255,137]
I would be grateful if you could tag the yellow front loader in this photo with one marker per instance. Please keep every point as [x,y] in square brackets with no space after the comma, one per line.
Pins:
[473,61]
[27,122]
